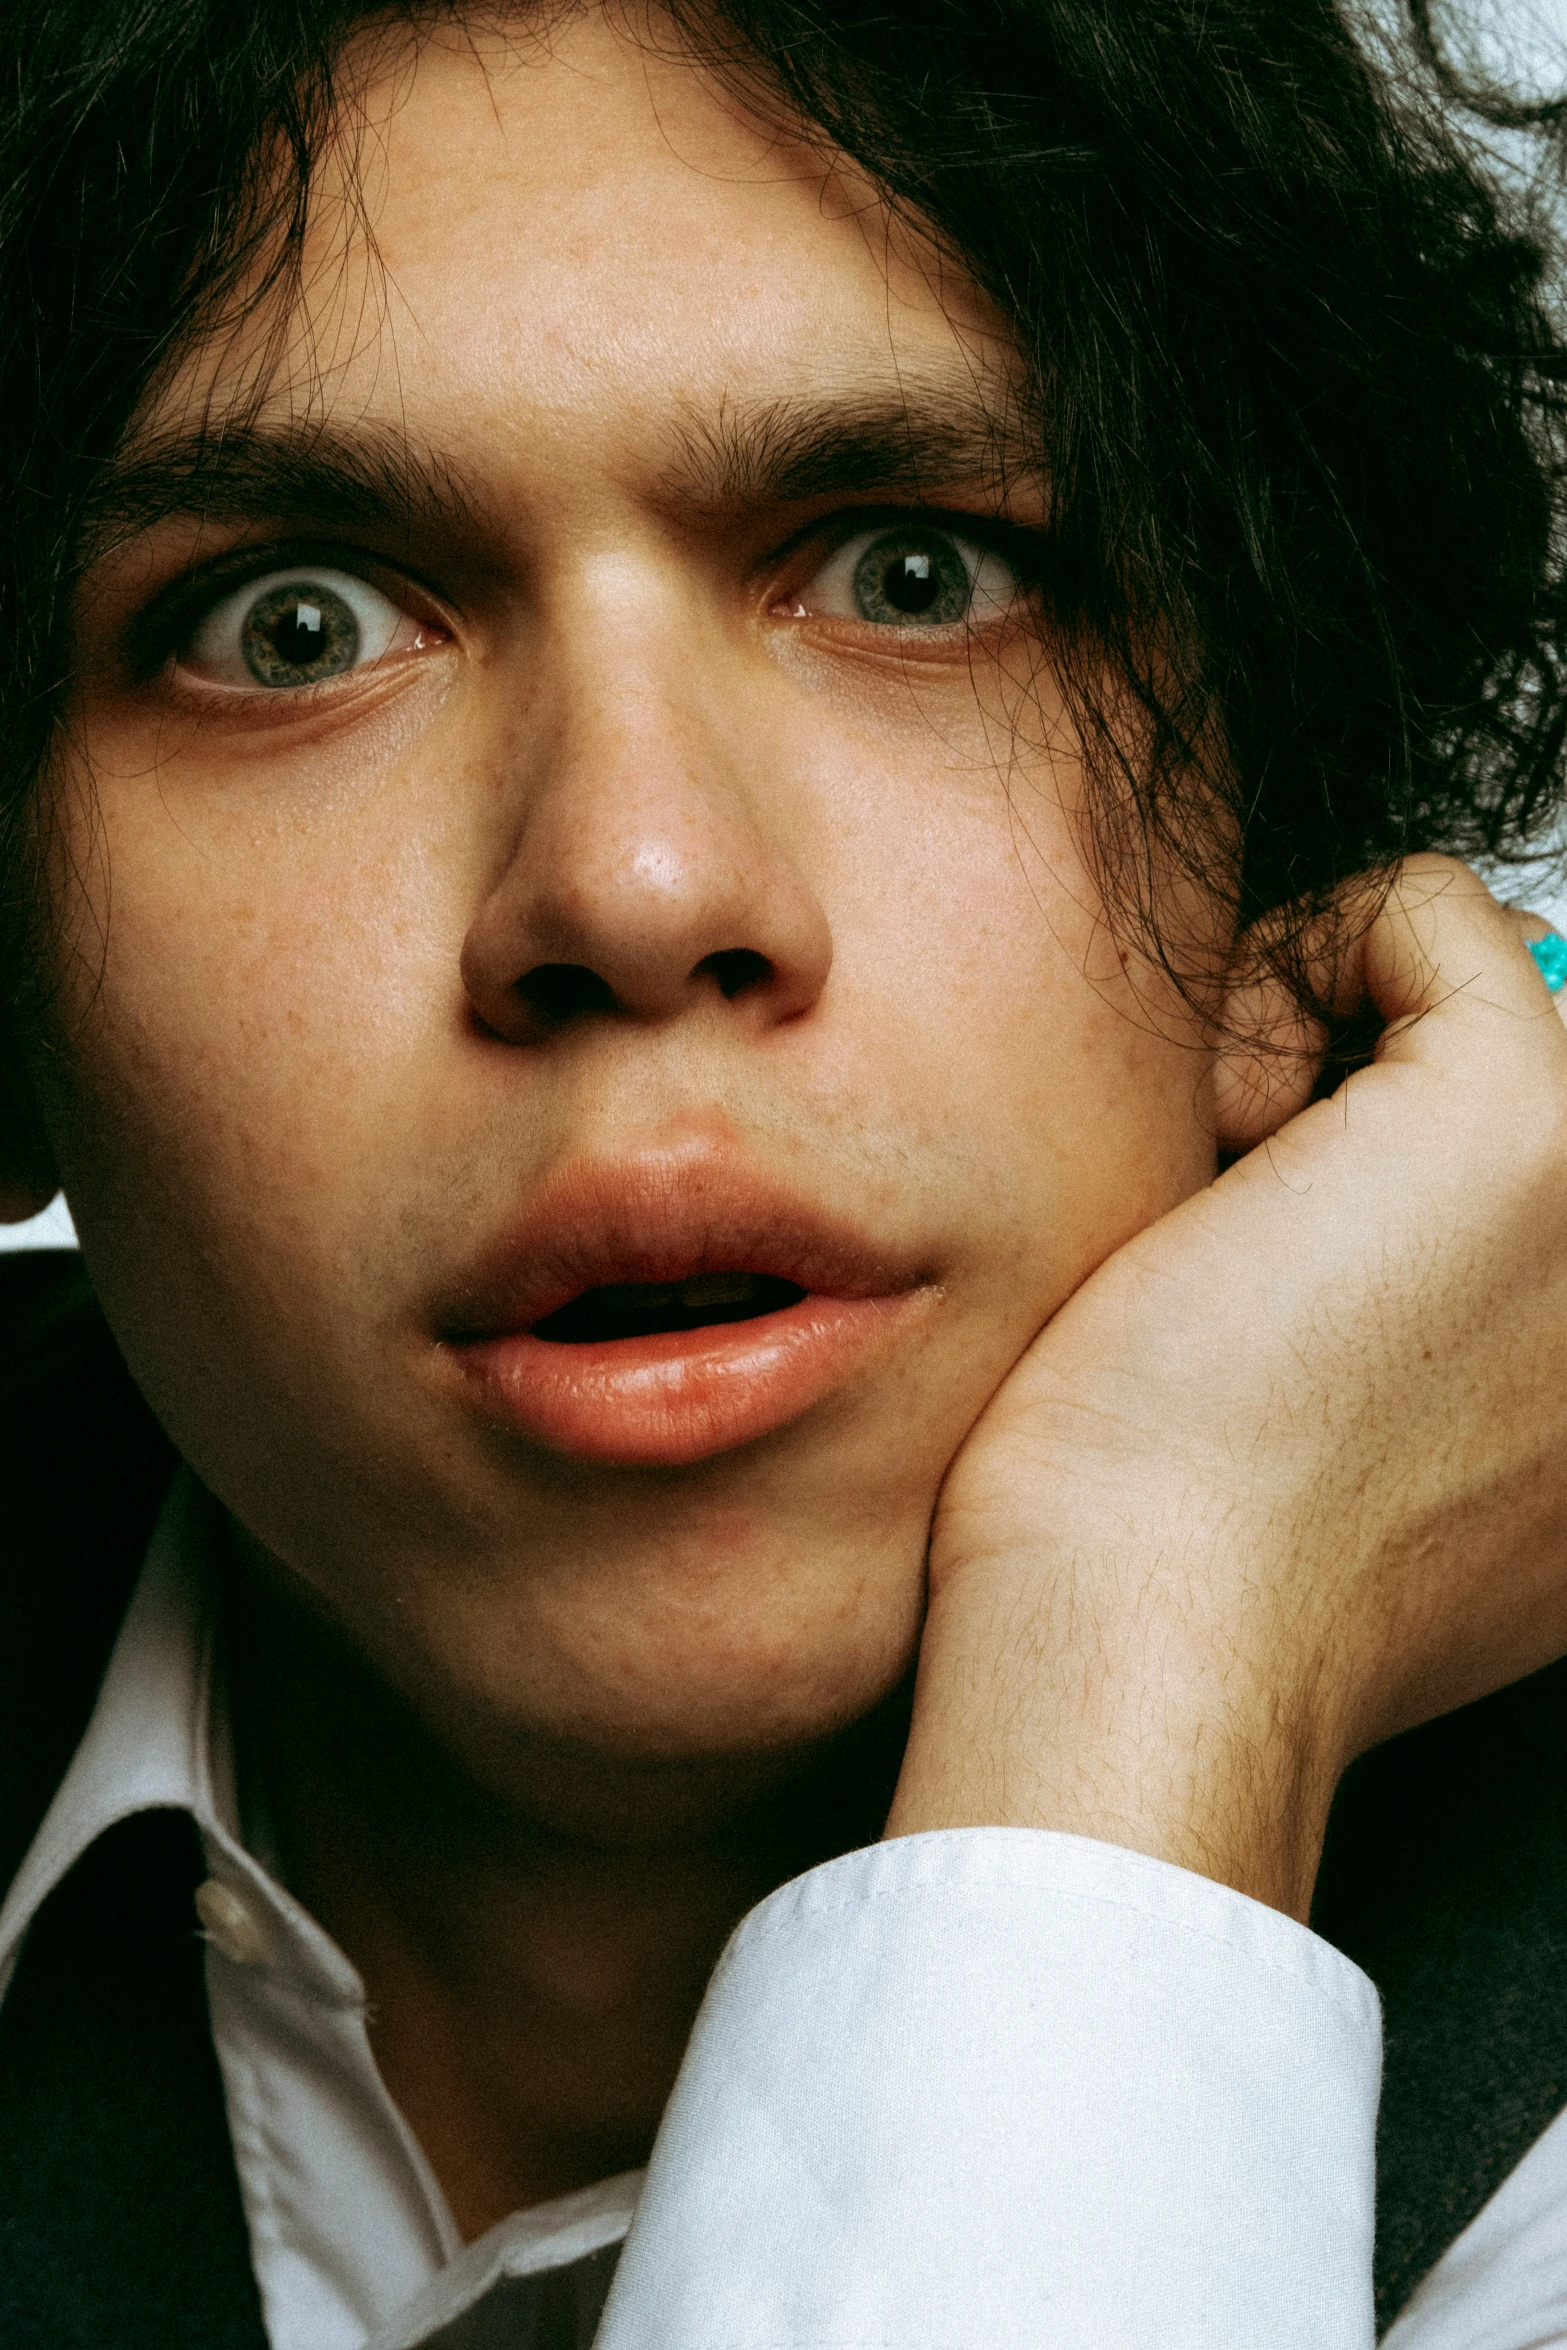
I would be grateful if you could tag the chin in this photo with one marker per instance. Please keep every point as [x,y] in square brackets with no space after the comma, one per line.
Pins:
[730,1691]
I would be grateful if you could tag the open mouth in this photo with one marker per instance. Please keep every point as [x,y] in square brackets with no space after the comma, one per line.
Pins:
[660,1312]
[643,1309]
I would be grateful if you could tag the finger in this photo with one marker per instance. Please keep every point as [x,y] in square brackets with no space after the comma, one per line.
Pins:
[1269,1048]
[1449,969]
[1266,1066]
[1549,950]
[1434,945]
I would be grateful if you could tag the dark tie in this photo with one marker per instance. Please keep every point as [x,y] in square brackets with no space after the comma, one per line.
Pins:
[121,2226]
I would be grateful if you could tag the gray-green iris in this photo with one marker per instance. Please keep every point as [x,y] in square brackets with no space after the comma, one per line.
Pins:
[299,634]
[912,578]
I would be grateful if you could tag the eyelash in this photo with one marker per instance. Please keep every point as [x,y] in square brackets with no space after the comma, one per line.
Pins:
[169,626]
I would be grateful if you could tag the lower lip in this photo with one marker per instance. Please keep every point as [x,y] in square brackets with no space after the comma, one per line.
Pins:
[684,1395]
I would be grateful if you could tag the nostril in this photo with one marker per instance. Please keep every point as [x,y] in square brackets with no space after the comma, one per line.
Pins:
[735,969]
[558,992]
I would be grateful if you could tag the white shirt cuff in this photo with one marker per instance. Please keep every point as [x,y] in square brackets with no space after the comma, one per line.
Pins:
[993,2087]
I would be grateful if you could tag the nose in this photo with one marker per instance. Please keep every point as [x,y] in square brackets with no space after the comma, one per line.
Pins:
[648,874]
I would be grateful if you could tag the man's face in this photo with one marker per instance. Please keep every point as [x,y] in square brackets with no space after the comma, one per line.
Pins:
[622,841]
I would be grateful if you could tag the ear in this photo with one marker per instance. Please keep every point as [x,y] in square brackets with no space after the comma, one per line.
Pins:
[1269,1056]
[28,1177]
[21,1201]
[1266,1067]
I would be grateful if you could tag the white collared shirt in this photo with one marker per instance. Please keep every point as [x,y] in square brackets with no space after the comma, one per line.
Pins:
[987,2089]
[350,2233]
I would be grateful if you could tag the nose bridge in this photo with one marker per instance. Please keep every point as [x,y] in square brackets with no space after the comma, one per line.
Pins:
[646,861]
[646,818]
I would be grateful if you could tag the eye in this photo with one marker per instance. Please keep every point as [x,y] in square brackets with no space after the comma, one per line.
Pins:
[913,575]
[298,628]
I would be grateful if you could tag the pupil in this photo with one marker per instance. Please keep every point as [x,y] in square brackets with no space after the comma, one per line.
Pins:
[297,635]
[910,585]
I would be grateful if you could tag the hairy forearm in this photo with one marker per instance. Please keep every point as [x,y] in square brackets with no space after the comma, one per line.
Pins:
[1138,1736]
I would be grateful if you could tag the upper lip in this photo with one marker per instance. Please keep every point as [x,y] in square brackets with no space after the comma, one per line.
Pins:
[662,1217]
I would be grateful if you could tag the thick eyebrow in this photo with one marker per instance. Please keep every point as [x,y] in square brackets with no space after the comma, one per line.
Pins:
[855,441]
[371,479]
[903,441]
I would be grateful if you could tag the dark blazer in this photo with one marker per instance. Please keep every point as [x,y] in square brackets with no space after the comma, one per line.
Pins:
[120,2224]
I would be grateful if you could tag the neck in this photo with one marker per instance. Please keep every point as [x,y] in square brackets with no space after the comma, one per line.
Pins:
[532,1990]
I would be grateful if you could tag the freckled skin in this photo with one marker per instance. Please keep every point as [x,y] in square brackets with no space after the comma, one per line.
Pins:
[628,741]
[281,1134]
[535,1731]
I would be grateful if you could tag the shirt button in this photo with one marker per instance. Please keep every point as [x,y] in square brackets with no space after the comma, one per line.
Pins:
[230,1926]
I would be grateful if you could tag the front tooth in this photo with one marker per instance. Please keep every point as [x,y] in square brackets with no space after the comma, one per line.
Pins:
[639,1296]
[717,1289]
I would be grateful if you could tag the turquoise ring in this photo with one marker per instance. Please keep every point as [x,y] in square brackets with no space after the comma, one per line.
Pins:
[1550,954]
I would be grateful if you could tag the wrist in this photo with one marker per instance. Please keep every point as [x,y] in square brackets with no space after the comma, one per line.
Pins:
[1142,1734]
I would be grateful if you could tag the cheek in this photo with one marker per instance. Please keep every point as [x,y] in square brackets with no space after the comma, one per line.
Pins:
[275,1110]
[1048,1076]
[269,1057]
[236,1014]
[274,1107]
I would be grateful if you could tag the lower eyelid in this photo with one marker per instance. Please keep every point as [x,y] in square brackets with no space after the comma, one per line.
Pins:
[428,639]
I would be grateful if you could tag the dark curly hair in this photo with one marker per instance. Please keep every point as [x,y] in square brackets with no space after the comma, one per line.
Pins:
[1293,374]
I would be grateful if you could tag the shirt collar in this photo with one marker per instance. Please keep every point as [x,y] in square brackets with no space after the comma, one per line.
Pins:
[527,2244]
[159,1737]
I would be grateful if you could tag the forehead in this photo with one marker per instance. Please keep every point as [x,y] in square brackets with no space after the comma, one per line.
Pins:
[531,237]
